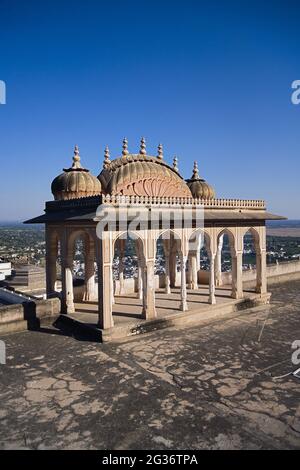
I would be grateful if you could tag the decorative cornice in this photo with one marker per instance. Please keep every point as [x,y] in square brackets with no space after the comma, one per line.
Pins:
[257,204]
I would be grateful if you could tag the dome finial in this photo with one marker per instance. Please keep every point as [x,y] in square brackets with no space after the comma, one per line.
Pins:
[175,164]
[125,147]
[76,158]
[160,152]
[195,175]
[143,146]
[107,161]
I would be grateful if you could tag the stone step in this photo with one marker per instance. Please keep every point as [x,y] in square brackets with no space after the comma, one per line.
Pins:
[134,327]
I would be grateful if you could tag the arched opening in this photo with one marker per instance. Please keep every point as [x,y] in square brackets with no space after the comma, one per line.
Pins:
[171,265]
[223,265]
[125,265]
[226,262]
[201,264]
[128,276]
[251,260]
[167,261]
[78,284]
[199,260]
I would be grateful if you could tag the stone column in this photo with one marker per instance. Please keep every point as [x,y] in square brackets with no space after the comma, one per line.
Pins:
[113,287]
[173,261]
[140,283]
[139,253]
[189,272]
[122,243]
[67,298]
[166,247]
[261,271]
[50,276]
[212,297]
[89,281]
[69,284]
[193,270]
[218,262]
[183,301]
[63,295]
[172,268]
[104,264]
[51,257]
[149,311]
[237,273]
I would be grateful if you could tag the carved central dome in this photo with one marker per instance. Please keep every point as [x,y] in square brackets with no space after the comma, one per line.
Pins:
[142,175]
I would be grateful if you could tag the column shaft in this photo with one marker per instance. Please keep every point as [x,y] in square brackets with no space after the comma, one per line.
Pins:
[237,273]
[51,257]
[183,302]
[69,285]
[140,283]
[166,248]
[218,262]
[121,265]
[149,310]
[172,268]
[89,282]
[261,272]
[104,264]
[194,271]
[212,297]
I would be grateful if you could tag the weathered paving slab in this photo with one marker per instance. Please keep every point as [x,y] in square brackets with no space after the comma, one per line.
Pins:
[209,387]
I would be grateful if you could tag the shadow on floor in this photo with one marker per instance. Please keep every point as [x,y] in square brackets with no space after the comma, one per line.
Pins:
[71,330]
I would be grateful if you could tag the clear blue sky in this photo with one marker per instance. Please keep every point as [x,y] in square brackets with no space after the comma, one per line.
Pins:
[210,80]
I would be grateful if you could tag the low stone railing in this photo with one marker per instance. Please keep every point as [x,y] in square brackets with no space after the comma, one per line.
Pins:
[186,201]
[95,201]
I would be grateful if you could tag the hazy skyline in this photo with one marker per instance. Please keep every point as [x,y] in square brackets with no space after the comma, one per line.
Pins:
[210,80]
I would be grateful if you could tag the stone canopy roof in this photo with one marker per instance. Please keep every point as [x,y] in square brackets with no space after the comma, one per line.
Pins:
[217,210]
[140,179]
[132,174]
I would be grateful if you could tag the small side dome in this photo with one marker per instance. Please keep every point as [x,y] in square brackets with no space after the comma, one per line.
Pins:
[75,182]
[199,188]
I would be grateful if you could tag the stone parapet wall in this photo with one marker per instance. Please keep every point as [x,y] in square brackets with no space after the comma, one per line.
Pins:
[279,272]
[27,315]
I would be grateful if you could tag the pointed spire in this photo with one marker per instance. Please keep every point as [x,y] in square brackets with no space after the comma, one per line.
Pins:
[107,161]
[143,146]
[195,175]
[175,164]
[76,158]
[125,147]
[160,152]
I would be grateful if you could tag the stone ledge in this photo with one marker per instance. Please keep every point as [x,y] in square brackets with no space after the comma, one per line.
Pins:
[28,316]
[200,317]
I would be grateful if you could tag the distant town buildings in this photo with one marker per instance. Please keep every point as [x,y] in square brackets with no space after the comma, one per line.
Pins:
[5,269]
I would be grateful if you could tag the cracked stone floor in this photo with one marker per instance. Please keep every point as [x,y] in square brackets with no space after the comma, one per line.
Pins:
[209,387]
